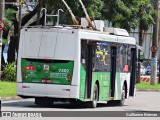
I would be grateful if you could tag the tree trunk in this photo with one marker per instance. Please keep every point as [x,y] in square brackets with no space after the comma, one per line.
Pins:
[13,45]
[5,36]
[39,11]
[40,23]
[2,59]
[11,50]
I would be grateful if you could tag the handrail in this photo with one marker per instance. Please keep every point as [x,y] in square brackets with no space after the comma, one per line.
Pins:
[50,15]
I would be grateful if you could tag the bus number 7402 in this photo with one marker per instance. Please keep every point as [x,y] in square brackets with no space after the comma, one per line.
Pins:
[64,70]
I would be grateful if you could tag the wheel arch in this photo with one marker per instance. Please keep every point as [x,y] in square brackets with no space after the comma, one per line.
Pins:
[97,83]
[125,85]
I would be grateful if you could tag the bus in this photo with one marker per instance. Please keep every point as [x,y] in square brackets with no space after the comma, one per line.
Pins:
[75,64]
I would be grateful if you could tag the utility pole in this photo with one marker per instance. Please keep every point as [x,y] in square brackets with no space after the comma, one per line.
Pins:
[154,47]
[19,20]
[1,31]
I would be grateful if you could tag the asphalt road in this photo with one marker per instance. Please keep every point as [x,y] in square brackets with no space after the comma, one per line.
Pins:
[144,101]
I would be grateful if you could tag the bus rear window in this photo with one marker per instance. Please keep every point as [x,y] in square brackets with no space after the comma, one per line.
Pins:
[48,61]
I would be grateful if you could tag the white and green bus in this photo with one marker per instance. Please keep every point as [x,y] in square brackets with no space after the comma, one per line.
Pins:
[68,64]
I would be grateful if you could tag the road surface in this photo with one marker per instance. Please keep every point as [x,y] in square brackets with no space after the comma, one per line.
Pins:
[144,101]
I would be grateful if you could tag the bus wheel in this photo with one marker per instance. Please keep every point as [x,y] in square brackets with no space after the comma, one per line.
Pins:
[44,102]
[121,102]
[93,103]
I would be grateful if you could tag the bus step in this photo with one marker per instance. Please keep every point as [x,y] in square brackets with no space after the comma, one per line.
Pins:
[111,98]
[102,102]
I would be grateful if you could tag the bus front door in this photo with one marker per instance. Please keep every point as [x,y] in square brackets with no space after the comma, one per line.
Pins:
[133,72]
[113,71]
[88,72]
[87,57]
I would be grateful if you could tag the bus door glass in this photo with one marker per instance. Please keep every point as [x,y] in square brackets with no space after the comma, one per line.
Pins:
[113,70]
[133,71]
[86,59]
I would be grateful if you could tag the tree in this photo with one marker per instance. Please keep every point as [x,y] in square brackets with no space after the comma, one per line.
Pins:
[122,13]
[93,8]
[51,5]
[13,45]
[145,17]
[9,17]
[130,14]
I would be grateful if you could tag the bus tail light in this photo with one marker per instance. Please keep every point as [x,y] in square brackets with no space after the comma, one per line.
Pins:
[43,80]
[24,86]
[69,77]
[24,74]
[48,81]
[69,81]
[29,68]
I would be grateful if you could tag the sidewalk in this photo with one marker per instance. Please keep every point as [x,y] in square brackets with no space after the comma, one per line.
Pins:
[10,98]
[147,90]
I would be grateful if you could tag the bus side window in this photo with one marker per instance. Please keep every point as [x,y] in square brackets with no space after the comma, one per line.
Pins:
[101,57]
[123,59]
[83,56]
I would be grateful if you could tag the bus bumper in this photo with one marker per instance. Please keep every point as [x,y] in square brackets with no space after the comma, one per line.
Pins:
[48,90]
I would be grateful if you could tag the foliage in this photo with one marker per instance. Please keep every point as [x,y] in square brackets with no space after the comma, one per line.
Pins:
[121,13]
[4,41]
[7,89]
[9,15]
[129,14]
[93,8]
[145,14]
[9,72]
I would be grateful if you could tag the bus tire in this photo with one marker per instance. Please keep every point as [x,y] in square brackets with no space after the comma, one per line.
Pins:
[44,102]
[121,102]
[93,103]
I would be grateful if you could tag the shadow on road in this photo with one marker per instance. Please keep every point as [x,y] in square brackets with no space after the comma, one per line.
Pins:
[59,105]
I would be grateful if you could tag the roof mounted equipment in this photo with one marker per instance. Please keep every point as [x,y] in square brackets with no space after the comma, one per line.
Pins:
[116,31]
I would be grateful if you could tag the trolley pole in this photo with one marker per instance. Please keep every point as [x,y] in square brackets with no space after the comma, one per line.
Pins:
[154,47]
[1,31]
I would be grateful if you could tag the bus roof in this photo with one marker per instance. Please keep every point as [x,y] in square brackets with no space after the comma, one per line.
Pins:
[87,34]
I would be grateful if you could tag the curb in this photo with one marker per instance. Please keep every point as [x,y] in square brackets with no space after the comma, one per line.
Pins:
[148,90]
[10,98]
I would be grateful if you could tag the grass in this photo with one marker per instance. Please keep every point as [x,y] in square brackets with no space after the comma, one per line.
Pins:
[146,85]
[7,89]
